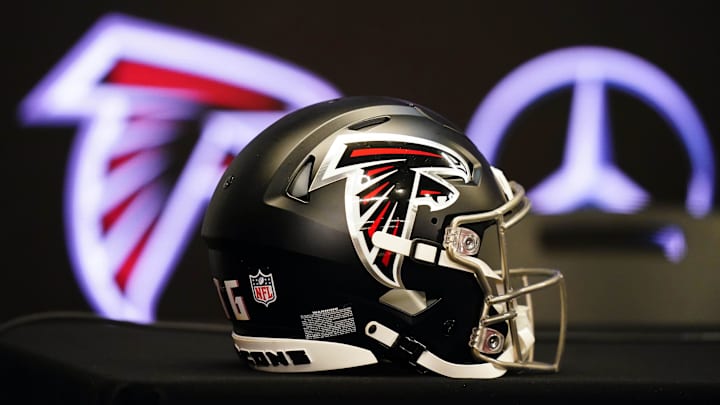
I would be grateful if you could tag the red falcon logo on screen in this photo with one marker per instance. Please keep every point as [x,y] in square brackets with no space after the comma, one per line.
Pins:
[160,113]
[387,177]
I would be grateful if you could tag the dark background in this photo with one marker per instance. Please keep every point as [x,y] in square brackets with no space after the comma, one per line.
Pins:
[445,55]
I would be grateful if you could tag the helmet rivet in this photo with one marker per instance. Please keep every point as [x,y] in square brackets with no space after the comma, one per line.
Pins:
[493,342]
[228,181]
[448,327]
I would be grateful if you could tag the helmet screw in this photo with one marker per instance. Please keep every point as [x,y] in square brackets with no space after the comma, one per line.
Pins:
[493,342]
[448,327]
[228,181]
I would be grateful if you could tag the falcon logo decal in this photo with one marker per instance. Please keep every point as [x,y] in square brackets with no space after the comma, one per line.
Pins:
[388,176]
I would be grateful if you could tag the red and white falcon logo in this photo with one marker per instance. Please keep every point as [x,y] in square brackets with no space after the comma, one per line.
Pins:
[160,113]
[387,177]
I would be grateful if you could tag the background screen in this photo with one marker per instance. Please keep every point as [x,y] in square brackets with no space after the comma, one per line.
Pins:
[613,90]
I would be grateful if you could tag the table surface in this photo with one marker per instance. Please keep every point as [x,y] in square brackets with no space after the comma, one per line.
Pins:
[81,358]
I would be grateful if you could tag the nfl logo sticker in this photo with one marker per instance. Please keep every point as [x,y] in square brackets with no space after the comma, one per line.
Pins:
[263,288]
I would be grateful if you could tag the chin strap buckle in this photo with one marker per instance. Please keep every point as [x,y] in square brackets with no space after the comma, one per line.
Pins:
[401,347]
[408,349]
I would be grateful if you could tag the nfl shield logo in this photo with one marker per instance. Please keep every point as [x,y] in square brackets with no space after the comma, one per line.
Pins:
[263,288]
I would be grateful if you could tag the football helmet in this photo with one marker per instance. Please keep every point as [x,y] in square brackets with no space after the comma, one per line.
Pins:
[351,232]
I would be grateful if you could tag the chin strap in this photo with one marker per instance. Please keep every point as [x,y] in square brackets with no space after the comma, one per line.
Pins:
[427,252]
[302,355]
[417,354]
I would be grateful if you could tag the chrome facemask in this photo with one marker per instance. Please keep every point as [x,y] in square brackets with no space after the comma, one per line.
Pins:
[461,245]
[504,301]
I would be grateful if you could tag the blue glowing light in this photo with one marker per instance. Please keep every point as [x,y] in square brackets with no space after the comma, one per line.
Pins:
[672,240]
[588,176]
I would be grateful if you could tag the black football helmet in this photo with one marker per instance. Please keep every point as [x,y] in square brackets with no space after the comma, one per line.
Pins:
[350,233]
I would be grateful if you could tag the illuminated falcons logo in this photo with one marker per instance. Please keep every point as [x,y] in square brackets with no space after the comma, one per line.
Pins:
[138,176]
[387,177]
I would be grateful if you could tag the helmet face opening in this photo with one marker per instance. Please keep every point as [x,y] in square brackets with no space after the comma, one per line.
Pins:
[368,229]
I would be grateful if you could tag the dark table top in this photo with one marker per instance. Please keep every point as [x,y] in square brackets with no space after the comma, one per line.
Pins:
[81,358]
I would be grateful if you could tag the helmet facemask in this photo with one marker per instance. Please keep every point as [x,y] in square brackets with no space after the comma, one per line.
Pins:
[508,291]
